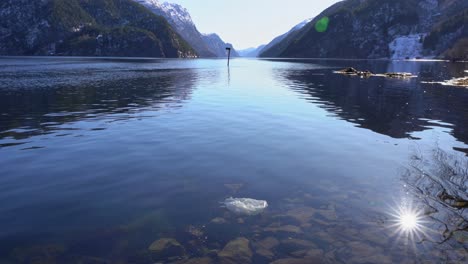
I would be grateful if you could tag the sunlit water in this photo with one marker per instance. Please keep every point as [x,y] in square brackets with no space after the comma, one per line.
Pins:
[99,158]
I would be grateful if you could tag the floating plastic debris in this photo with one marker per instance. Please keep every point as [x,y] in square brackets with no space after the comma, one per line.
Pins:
[245,206]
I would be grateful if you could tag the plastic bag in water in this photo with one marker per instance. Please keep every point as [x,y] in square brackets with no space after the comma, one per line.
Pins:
[245,206]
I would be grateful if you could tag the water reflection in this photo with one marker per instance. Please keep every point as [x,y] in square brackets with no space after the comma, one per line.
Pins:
[436,217]
[439,181]
[392,107]
[432,215]
[169,153]
[36,104]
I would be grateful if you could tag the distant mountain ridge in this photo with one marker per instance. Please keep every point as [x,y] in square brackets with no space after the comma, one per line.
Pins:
[251,52]
[182,22]
[277,43]
[382,29]
[255,52]
[218,45]
[87,28]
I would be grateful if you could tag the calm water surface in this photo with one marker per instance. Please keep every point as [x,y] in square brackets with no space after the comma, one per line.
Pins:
[99,158]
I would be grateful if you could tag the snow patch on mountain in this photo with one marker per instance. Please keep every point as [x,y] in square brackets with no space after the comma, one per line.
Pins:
[409,46]
[301,25]
[150,3]
[178,15]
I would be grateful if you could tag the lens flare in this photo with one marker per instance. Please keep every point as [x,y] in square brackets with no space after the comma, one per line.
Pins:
[322,24]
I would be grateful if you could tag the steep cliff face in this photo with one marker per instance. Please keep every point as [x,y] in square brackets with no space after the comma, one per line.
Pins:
[218,46]
[379,29]
[449,37]
[86,28]
[181,20]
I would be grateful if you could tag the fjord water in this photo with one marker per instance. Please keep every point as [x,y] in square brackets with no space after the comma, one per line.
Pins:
[101,157]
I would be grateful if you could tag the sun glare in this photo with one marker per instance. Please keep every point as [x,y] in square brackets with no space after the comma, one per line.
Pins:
[408,221]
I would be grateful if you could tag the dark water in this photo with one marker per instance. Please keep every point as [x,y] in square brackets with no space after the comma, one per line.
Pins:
[101,157]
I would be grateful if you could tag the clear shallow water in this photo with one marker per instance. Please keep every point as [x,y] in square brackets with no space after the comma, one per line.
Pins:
[101,157]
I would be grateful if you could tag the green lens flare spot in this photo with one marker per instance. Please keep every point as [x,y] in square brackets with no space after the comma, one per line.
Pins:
[322,24]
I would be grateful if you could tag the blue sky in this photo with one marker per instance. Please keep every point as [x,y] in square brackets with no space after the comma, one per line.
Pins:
[249,23]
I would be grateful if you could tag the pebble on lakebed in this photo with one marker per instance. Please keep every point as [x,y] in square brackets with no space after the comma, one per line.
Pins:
[218,220]
[236,251]
[166,247]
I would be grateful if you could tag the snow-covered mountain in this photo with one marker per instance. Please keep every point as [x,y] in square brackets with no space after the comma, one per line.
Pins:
[182,22]
[177,15]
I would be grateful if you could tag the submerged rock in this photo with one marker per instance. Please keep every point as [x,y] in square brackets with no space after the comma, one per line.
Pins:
[166,247]
[39,254]
[265,253]
[245,206]
[284,229]
[195,261]
[292,245]
[365,253]
[91,260]
[195,231]
[236,251]
[315,253]
[305,215]
[264,247]
[218,220]
[268,243]
[374,235]
[306,260]
[302,214]
[461,236]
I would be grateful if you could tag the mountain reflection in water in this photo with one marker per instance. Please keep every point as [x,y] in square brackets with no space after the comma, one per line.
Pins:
[41,104]
[393,107]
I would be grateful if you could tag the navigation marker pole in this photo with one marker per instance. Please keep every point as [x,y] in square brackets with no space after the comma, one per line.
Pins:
[229,54]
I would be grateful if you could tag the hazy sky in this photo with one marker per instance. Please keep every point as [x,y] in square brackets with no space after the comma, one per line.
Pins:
[250,23]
